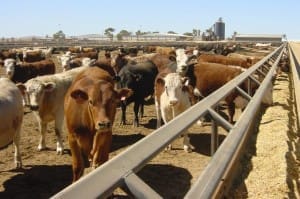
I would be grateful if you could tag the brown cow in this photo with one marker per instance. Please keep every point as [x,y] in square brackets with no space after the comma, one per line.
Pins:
[212,76]
[221,59]
[160,61]
[86,49]
[21,72]
[252,59]
[33,56]
[75,49]
[90,107]
[92,55]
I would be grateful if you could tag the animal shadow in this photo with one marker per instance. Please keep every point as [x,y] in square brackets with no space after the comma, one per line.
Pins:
[41,181]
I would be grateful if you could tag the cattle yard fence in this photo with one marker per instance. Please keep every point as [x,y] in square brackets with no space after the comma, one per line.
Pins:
[295,67]
[121,170]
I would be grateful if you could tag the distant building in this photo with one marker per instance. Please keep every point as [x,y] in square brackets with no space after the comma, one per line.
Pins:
[264,38]
[219,29]
[159,36]
[91,37]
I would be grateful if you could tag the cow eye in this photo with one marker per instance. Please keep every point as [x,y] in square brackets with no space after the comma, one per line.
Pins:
[91,102]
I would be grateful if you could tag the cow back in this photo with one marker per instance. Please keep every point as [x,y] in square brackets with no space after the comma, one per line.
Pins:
[26,71]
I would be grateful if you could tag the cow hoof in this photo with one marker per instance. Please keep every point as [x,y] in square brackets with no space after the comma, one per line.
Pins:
[188,149]
[122,123]
[59,151]
[41,148]
[18,165]
[200,123]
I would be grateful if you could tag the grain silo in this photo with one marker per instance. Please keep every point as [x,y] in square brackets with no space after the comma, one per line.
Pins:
[219,29]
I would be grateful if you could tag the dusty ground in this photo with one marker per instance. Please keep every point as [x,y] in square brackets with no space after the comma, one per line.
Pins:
[171,174]
[45,173]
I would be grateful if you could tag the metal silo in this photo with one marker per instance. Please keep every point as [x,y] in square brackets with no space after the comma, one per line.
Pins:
[219,27]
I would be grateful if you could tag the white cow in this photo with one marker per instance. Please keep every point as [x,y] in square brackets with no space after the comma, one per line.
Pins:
[171,99]
[45,96]
[11,117]
[69,61]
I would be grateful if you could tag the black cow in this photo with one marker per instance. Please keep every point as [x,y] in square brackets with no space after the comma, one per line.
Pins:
[140,78]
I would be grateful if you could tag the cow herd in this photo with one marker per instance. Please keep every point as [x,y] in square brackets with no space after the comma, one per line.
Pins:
[86,94]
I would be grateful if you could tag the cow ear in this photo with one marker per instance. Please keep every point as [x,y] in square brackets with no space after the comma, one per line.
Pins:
[160,81]
[79,96]
[21,87]
[124,93]
[172,58]
[92,62]
[138,77]
[192,60]
[185,82]
[50,86]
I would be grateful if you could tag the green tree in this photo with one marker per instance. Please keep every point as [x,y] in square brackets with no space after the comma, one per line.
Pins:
[60,35]
[123,33]
[171,32]
[109,32]
[188,34]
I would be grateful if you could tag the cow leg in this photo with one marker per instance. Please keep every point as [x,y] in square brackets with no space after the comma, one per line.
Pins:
[16,141]
[187,147]
[231,111]
[101,148]
[158,113]
[142,109]
[106,148]
[77,159]
[43,129]
[123,108]
[136,112]
[58,132]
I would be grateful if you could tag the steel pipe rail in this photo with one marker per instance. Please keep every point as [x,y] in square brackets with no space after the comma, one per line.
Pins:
[121,170]
[295,67]
[207,184]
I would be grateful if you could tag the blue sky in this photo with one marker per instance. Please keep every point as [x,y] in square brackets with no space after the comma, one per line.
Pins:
[38,17]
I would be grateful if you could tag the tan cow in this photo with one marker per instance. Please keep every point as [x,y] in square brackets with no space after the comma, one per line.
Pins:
[90,108]
[11,117]
[45,96]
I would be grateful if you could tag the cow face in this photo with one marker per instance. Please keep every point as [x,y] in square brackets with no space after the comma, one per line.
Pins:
[129,79]
[181,59]
[33,92]
[65,62]
[86,61]
[175,87]
[10,65]
[101,101]
[118,61]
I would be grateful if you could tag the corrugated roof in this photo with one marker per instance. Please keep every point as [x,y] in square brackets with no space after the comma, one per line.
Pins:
[259,35]
[165,35]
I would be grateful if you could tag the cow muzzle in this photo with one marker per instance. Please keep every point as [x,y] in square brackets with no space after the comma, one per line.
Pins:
[173,102]
[34,107]
[103,125]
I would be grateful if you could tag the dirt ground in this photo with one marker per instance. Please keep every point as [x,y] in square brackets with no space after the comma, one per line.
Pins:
[44,173]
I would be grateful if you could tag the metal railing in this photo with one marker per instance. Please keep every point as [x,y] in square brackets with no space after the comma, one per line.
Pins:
[121,170]
[295,67]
